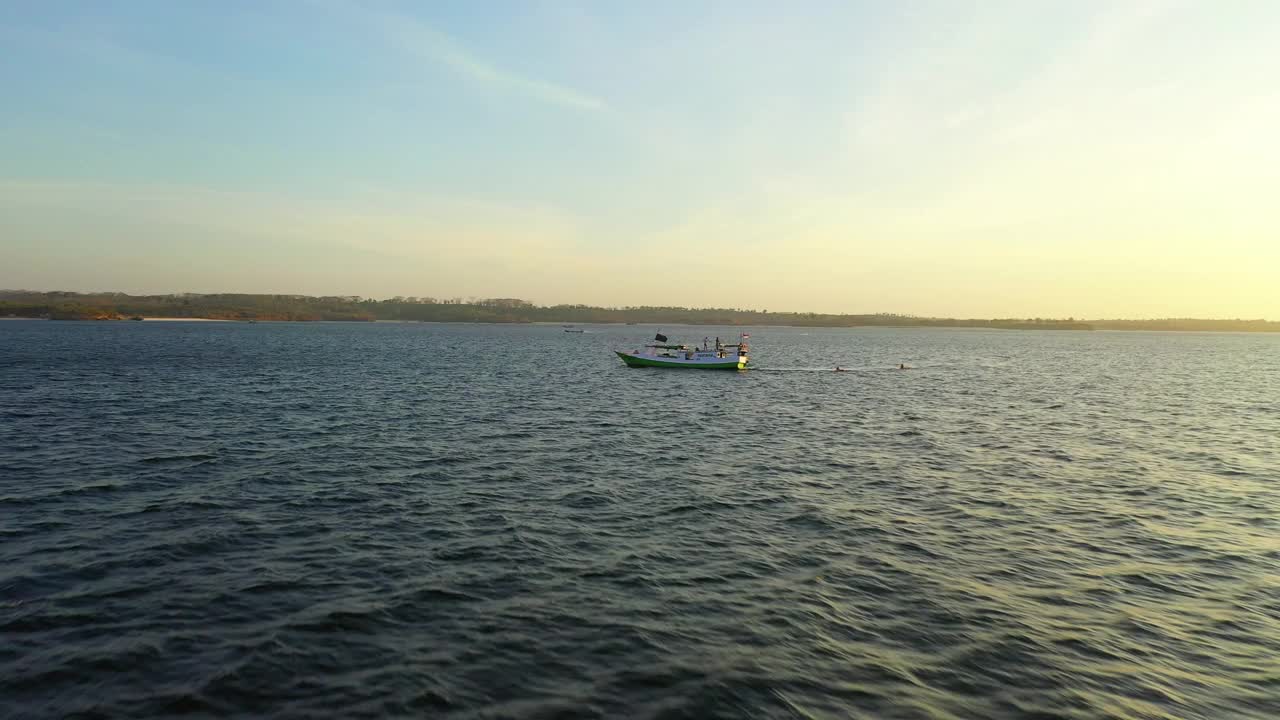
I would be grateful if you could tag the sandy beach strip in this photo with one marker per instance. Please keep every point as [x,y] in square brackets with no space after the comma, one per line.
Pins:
[186,319]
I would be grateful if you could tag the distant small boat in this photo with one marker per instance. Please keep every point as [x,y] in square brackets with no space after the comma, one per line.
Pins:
[136,317]
[574,331]
[708,357]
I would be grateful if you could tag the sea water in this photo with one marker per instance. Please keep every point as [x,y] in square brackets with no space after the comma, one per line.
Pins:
[303,519]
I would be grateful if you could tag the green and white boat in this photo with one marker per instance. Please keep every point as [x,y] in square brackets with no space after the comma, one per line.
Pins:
[708,357]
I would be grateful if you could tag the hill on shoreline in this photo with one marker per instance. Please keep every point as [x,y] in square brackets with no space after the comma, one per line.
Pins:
[59,305]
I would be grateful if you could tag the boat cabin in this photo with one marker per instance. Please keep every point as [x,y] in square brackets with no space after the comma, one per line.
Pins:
[706,352]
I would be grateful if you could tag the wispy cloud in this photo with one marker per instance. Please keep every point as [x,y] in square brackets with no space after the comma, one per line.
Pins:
[418,39]
[405,225]
[444,49]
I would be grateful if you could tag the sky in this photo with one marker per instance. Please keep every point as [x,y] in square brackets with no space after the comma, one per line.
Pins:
[1002,158]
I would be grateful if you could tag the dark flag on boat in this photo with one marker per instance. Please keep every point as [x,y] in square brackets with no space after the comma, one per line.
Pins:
[660,337]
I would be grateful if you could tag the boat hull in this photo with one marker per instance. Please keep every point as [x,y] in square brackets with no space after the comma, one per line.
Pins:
[634,360]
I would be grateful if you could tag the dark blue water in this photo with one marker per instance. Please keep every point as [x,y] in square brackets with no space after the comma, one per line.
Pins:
[299,520]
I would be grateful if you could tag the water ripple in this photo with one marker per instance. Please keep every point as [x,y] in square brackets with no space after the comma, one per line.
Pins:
[486,522]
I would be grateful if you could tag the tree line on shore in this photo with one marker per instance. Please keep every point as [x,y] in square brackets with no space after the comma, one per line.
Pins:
[245,307]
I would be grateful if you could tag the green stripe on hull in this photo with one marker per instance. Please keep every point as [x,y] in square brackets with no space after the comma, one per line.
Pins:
[634,361]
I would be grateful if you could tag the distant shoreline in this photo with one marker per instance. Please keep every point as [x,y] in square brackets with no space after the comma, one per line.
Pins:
[659,324]
[237,307]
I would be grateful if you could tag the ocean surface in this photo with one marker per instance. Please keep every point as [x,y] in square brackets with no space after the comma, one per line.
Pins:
[378,520]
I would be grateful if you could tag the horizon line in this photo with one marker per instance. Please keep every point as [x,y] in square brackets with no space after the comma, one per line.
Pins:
[475,300]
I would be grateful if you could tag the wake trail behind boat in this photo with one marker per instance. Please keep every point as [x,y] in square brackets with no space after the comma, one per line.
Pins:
[826,369]
[843,368]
